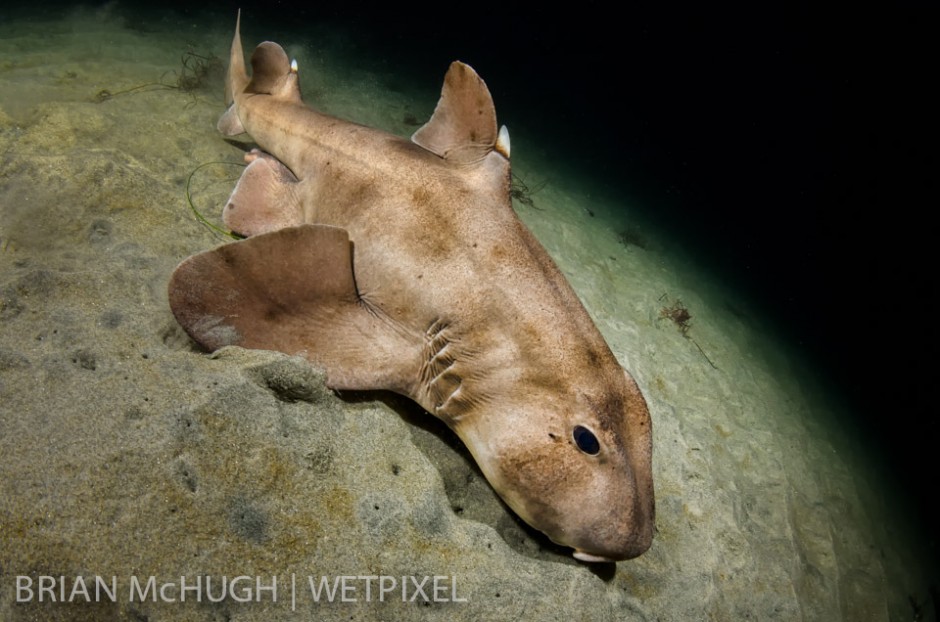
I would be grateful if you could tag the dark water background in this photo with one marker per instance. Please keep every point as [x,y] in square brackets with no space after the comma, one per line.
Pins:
[791,149]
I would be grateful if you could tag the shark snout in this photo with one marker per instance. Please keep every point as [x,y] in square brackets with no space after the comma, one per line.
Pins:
[626,546]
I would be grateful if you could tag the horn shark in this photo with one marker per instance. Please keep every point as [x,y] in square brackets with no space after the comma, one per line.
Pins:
[401,265]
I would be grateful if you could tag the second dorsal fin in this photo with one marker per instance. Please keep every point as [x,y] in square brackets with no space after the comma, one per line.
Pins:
[272,73]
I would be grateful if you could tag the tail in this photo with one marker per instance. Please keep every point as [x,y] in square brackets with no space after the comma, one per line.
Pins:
[237,78]
[273,74]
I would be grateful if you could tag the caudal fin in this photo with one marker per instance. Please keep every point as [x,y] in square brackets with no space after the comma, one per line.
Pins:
[237,77]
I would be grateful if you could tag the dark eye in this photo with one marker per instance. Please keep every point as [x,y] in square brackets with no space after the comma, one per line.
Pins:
[585,440]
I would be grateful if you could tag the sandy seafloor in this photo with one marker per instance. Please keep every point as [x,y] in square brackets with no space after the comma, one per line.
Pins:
[126,452]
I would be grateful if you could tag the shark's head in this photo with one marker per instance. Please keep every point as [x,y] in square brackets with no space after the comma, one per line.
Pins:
[576,465]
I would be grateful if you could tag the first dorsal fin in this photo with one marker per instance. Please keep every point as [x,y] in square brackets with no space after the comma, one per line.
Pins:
[463,127]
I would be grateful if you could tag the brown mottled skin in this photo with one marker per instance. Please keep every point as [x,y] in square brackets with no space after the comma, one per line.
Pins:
[401,265]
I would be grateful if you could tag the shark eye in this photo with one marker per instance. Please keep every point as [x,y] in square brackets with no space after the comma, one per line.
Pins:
[585,440]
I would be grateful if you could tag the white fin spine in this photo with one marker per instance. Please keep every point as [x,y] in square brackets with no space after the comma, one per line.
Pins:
[502,141]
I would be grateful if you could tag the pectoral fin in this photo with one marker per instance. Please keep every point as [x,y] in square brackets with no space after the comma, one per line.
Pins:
[293,291]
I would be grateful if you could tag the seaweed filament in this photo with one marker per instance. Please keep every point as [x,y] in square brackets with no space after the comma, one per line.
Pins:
[681,317]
